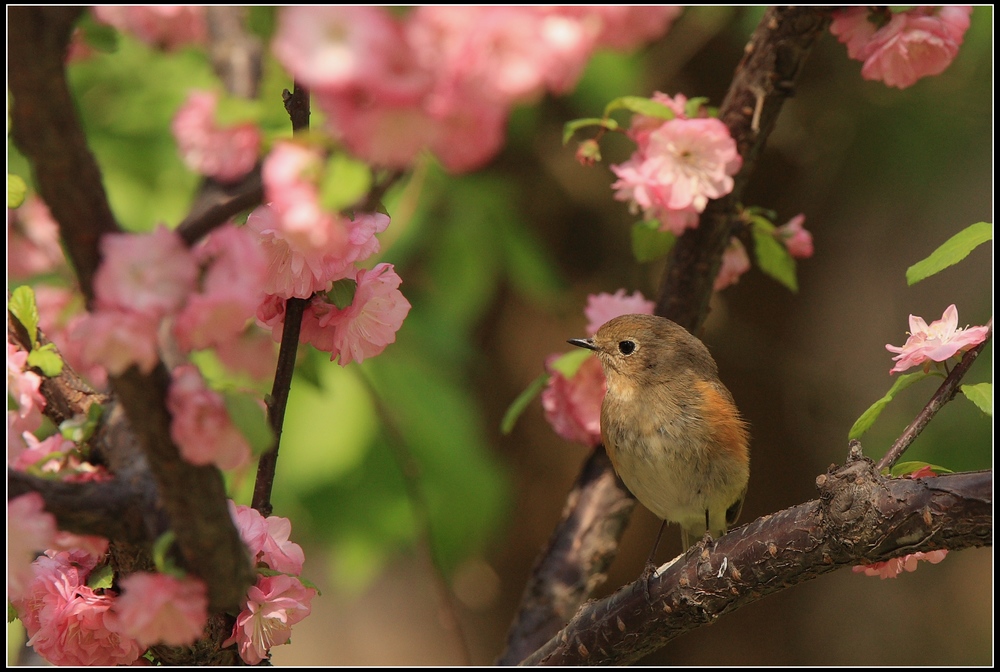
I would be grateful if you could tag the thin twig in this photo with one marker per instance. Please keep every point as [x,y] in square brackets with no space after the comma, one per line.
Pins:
[297,106]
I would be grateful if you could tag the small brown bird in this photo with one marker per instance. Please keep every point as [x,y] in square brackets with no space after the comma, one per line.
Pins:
[670,426]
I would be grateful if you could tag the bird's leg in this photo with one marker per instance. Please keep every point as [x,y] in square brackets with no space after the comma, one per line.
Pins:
[650,567]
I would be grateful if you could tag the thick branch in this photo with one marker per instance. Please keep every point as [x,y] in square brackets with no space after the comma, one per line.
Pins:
[859,518]
[46,127]
[763,80]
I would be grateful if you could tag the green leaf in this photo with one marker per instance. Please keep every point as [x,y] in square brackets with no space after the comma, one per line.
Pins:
[951,252]
[248,416]
[101,577]
[517,406]
[904,468]
[81,427]
[774,259]
[342,292]
[571,127]
[869,417]
[16,191]
[649,243]
[161,560]
[345,182]
[99,36]
[693,107]
[47,359]
[639,105]
[569,363]
[981,394]
[22,306]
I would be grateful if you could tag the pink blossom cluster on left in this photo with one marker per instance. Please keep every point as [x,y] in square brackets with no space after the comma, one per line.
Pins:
[70,620]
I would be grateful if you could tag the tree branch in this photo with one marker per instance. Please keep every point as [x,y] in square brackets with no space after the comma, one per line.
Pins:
[46,127]
[859,518]
[763,80]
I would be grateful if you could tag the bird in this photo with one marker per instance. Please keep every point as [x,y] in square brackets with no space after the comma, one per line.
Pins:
[670,427]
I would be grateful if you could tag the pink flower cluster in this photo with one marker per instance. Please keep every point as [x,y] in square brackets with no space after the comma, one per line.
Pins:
[224,153]
[277,601]
[677,167]
[899,48]
[24,394]
[167,26]
[309,248]
[32,240]
[67,622]
[200,424]
[936,342]
[573,404]
[444,78]
[211,293]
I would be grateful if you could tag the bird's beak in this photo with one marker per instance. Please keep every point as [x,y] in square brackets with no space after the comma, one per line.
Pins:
[587,343]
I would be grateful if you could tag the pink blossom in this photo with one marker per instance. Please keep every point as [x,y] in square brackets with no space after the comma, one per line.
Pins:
[161,609]
[937,342]
[47,571]
[32,240]
[148,273]
[59,309]
[279,553]
[335,46]
[200,424]
[88,544]
[370,323]
[626,27]
[68,623]
[251,352]
[798,241]
[890,569]
[267,539]
[573,405]
[24,388]
[232,285]
[252,527]
[503,54]
[603,307]
[735,262]
[30,530]
[47,455]
[117,340]
[224,153]
[167,26]
[680,166]
[908,46]
[273,606]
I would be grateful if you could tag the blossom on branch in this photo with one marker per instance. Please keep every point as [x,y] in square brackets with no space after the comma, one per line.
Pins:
[200,424]
[936,342]
[161,609]
[67,622]
[677,167]
[225,153]
[30,530]
[735,262]
[273,606]
[899,48]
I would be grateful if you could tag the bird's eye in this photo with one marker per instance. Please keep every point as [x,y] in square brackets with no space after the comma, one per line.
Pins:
[626,347]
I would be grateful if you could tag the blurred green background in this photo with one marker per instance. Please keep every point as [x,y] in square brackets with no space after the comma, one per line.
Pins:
[399,463]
